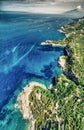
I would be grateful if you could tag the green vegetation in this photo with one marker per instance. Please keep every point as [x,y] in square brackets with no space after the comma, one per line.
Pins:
[70,100]
[42,106]
[64,104]
[75,43]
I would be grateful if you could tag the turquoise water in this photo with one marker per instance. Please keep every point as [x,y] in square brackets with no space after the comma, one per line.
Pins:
[23,59]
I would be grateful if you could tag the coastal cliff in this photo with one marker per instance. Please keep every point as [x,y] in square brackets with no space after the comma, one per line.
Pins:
[60,108]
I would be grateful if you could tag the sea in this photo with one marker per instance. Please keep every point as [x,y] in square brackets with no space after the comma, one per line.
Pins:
[23,59]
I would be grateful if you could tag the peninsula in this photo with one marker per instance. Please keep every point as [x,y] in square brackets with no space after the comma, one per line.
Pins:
[61,107]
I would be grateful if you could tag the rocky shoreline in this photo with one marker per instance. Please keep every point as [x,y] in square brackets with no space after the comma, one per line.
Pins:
[62,62]
[51,43]
[23,102]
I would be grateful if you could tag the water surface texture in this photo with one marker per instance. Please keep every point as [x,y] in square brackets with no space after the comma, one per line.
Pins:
[23,59]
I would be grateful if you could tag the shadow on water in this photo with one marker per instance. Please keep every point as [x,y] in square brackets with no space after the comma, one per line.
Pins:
[50,48]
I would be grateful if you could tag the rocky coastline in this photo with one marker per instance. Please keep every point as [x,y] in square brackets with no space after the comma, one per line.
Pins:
[23,102]
[52,43]
[69,78]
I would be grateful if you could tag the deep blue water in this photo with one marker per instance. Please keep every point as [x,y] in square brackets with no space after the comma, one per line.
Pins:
[23,59]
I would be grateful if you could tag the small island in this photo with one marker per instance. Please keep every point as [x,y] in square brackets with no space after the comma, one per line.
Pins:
[62,106]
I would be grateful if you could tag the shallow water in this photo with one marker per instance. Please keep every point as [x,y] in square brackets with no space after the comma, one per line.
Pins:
[23,59]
